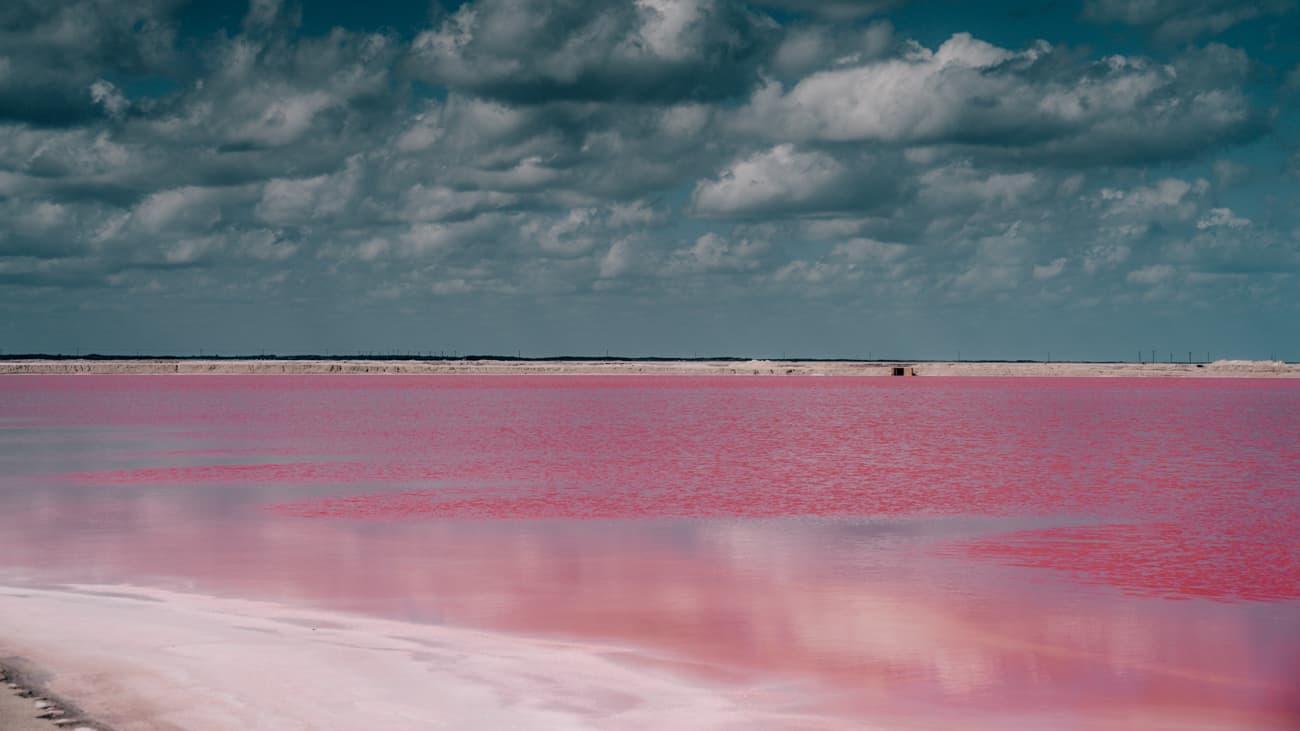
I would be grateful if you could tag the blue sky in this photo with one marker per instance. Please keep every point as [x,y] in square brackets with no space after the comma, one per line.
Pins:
[659,177]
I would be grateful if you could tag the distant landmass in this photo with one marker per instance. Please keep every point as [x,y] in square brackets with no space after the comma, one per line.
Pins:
[575,365]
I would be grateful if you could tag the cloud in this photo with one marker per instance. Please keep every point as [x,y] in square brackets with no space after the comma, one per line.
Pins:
[1169,199]
[1222,217]
[109,97]
[1292,80]
[54,51]
[1151,275]
[889,100]
[960,185]
[534,52]
[998,261]
[1030,103]
[785,179]
[1101,257]
[854,265]
[289,201]
[1183,20]
[813,47]
[869,251]
[43,229]
[836,9]
[190,207]
[1230,173]
[621,258]
[269,93]
[566,154]
[714,253]
[575,233]
[1050,270]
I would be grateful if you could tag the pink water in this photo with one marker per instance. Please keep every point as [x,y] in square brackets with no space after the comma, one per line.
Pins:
[965,553]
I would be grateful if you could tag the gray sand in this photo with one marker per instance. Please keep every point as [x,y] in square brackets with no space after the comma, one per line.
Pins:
[24,708]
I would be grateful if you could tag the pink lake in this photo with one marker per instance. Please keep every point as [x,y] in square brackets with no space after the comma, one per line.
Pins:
[918,553]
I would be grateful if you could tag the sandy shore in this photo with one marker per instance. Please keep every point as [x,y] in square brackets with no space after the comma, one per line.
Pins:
[25,706]
[1217,369]
[154,660]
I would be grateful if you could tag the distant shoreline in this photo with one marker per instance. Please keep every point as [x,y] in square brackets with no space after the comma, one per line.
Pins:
[649,367]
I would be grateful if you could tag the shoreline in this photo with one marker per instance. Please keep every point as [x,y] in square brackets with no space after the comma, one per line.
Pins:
[143,659]
[27,705]
[485,367]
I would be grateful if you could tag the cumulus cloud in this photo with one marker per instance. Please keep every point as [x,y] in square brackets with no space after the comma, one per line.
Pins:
[54,51]
[1169,198]
[712,253]
[575,233]
[189,207]
[1150,275]
[433,202]
[109,97]
[780,177]
[1181,20]
[998,261]
[1105,256]
[960,185]
[836,9]
[621,258]
[786,179]
[970,92]
[813,47]
[305,200]
[563,49]
[869,251]
[267,93]
[1222,217]
[1230,173]
[1050,270]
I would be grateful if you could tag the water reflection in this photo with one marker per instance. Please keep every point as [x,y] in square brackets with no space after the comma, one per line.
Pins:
[860,615]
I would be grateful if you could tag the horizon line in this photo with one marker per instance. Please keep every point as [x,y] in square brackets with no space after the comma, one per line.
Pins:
[455,356]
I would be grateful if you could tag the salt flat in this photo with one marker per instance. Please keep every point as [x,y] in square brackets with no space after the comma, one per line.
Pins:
[154,660]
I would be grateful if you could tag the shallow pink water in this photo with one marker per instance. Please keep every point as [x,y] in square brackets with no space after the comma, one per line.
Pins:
[978,553]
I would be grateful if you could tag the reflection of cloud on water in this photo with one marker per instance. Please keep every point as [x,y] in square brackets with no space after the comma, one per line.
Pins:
[862,611]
